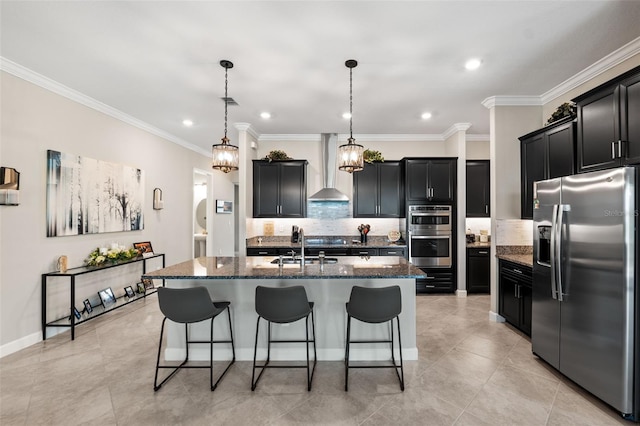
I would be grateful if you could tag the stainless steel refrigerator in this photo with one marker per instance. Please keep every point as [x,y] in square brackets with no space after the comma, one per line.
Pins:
[584,282]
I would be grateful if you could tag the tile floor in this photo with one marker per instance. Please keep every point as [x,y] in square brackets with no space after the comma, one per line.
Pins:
[470,372]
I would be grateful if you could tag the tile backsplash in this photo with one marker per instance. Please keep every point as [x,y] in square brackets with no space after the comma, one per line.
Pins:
[514,232]
[311,226]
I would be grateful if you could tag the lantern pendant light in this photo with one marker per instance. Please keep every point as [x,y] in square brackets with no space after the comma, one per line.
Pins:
[225,156]
[350,155]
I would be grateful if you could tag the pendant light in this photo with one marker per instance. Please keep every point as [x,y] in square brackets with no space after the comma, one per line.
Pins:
[350,157]
[225,156]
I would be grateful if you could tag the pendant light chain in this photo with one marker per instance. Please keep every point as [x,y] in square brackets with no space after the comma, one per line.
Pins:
[226,100]
[351,102]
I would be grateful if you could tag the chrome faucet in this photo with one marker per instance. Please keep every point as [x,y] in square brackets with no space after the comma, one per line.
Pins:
[301,237]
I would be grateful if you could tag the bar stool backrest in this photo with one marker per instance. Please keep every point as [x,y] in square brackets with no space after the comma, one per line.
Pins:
[186,305]
[374,305]
[282,304]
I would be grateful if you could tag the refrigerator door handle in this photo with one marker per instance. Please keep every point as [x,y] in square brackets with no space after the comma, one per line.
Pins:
[559,286]
[554,246]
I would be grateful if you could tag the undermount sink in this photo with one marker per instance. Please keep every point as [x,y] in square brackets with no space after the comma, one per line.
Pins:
[325,241]
[307,260]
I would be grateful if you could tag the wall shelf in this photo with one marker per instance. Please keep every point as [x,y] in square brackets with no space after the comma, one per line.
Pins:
[71,321]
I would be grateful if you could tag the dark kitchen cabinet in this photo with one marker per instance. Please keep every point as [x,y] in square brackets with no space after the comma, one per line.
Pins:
[478,270]
[478,188]
[545,154]
[514,295]
[363,251]
[439,280]
[280,188]
[430,180]
[378,190]
[609,124]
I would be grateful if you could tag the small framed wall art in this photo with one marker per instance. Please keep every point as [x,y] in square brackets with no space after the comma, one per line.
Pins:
[87,306]
[224,206]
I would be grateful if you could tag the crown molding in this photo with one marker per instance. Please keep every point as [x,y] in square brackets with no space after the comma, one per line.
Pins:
[494,101]
[456,127]
[246,127]
[62,90]
[611,60]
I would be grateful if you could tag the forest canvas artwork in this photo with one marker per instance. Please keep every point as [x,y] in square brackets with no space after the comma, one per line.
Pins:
[87,196]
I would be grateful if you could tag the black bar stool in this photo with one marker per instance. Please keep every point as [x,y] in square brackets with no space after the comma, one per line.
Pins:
[283,305]
[374,305]
[187,306]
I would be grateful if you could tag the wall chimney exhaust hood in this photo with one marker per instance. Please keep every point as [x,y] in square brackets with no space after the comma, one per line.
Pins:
[329,144]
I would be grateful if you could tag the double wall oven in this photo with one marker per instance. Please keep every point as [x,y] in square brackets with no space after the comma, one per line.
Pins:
[430,244]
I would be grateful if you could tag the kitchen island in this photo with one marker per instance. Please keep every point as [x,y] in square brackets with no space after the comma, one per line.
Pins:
[329,286]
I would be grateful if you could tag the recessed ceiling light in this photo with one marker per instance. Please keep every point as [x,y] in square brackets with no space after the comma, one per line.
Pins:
[426,115]
[187,123]
[346,116]
[473,64]
[265,115]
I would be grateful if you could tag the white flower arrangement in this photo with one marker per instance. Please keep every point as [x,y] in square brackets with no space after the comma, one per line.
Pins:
[114,254]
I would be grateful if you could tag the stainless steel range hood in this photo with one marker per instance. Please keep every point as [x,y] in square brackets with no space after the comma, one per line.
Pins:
[329,142]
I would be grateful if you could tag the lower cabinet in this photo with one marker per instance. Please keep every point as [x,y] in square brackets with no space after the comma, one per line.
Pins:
[515,299]
[438,281]
[478,270]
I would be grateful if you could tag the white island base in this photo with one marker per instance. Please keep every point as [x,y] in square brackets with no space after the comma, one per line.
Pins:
[329,295]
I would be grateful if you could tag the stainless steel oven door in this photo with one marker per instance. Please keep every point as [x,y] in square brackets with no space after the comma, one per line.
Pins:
[430,249]
[429,218]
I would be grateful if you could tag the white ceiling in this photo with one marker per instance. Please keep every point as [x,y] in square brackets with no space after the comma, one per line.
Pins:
[158,61]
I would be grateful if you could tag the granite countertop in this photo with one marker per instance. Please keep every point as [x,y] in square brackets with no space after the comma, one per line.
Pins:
[348,267]
[522,255]
[373,241]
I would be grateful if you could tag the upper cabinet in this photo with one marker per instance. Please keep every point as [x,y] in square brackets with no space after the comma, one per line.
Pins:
[609,124]
[478,188]
[280,188]
[545,154]
[378,190]
[431,180]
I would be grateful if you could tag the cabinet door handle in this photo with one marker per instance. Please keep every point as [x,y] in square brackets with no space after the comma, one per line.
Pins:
[517,271]
[613,150]
[486,209]
[391,252]
[621,146]
[482,252]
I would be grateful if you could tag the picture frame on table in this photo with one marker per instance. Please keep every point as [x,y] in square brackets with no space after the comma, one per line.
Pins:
[76,313]
[128,291]
[140,288]
[144,248]
[106,296]
[87,306]
[148,283]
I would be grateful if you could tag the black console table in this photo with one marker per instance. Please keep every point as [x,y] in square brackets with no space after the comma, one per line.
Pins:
[71,321]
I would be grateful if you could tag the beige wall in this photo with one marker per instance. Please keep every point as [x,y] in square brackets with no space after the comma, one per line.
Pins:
[478,150]
[34,120]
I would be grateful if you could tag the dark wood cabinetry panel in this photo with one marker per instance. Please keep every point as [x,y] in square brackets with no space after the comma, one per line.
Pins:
[431,180]
[280,188]
[609,124]
[546,153]
[478,270]
[514,294]
[478,188]
[378,190]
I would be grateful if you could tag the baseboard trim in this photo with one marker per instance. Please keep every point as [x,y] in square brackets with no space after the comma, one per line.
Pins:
[17,345]
[494,317]
[461,293]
